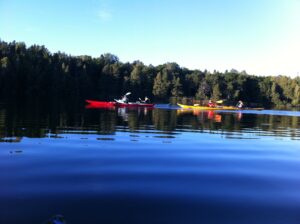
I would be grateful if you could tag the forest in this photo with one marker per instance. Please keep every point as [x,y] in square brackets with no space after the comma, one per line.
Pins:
[35,74]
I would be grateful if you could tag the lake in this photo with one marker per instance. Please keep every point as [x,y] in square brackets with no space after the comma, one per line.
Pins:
[160,165]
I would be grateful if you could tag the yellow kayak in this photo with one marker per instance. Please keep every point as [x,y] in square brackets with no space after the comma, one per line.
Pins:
[215,108]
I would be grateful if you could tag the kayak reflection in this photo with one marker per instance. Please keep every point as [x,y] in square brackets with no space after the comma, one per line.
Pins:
[125,111]
[203,115]
[17,122]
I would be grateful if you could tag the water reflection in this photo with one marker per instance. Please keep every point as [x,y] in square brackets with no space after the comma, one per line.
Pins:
[33,122]
[143,165]
[202,115]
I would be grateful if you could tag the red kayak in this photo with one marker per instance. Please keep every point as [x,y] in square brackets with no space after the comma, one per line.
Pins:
[105,104]
[95,103]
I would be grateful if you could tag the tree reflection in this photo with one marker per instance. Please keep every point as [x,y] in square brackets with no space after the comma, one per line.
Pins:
[39,122]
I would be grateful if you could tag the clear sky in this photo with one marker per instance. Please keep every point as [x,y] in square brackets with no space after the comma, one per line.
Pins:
[259,36]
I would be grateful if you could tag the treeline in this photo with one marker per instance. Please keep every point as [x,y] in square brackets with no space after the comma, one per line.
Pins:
[34,73]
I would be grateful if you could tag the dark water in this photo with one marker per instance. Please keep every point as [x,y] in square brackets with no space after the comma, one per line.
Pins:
[149,166]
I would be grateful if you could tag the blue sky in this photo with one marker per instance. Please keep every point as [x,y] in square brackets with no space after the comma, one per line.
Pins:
[259,36]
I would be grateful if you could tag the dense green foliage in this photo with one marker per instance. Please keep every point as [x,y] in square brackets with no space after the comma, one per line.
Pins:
[33,73]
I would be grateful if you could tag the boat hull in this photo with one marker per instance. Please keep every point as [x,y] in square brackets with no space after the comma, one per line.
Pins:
[105,104]
[94,103]
[215,108]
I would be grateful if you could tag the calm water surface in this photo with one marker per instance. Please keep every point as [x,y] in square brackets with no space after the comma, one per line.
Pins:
[149,166]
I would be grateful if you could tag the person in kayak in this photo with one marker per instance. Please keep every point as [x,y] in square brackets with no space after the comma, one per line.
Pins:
[146,100]
[240,104]
[124,99]
[211,103]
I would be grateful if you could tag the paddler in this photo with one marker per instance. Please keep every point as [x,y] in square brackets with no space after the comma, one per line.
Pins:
[124,99]
[146,100]
[240,104]
[211,103]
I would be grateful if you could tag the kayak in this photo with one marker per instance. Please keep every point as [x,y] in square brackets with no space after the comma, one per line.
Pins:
[216,108]
[95,103]
[100,103]
[136,104]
